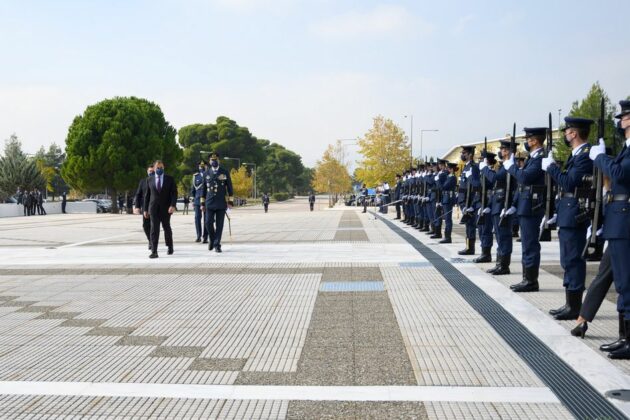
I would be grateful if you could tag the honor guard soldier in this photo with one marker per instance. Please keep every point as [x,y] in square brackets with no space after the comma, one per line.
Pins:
[449,199]
[217,186]
[502,231]
[398,195]
[572,228]
[617,224]
[530,205]
[430,199]
[265,201]
[483,213]
[420,192]
[438,180]
[196,191]
[468,185]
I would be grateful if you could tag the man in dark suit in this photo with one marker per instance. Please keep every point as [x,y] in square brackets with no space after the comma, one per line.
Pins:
[159,204]
[139,208]
[217,186]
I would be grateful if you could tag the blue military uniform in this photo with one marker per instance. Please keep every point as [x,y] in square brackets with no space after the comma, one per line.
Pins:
[398,195]
[529,202]
[438,179]
[469,176]
[502,231]
[448,200]
[572,232]
[430,199]
[216,187]
[196,190]
[617,226]
[484,224]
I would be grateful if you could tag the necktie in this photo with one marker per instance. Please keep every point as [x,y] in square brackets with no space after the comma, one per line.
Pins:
[159,186]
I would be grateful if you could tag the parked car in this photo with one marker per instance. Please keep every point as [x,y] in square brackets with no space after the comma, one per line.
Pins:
[102,205]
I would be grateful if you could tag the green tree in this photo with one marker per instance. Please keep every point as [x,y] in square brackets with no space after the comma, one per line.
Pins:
[110,145]
[385,153]
[331,175]
[50,162]
[590,107]
[17,170]
[281,170]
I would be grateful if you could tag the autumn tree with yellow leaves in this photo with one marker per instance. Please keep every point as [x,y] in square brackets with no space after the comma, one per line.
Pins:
[331,175]
[242,182]
[385,152]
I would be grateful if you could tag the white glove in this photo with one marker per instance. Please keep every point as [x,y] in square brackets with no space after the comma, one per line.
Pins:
[437,178]
[426,199]
[483,164]
[469,210]
[486,210]
[553,220]
[598,149]
[511,211]
[468,173]
[507,163]
[546,162]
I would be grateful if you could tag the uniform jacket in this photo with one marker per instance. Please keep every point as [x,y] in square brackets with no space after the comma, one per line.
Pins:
[464,180]
[196,189]
[498,180]
[217,185]
[617,215]
[449,190]
[569,180]
[530,201]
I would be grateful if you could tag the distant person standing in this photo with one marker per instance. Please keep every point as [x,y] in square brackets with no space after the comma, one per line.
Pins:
[26,202]
[186,204]
[20,196]
[195,191]
[121,203]
[64,201]
[364,197]
[217,187]
[40,204]
[311,200]
[160,203]
[141,192]
[265,201]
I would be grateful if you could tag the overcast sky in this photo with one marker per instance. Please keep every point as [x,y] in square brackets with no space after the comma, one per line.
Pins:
[306,73]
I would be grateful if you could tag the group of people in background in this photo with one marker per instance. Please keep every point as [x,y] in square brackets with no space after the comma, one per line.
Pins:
[494,192]
[33,202]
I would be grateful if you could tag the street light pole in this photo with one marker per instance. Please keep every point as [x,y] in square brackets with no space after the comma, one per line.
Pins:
[421,133]
[238,161]
[255,186]
[411,138]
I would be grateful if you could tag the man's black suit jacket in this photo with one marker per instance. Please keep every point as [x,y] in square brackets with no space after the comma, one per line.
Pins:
[158,202]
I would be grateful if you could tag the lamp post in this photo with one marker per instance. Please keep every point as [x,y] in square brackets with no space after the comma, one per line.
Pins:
[255,187]
[411,138]
[238,161]
[421,132]
[343,148]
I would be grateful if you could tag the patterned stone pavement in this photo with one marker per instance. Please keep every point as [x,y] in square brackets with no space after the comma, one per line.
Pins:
[328,314]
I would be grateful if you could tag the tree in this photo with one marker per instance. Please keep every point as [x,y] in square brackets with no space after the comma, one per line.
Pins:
[385,153]
[111,144]
[50,162]
[330,174]
[17,170]
[589,107]
[242,182]
[281,170]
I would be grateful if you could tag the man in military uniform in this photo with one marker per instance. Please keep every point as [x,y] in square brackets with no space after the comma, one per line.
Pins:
[195,192]
[530,205]
[430,198]
[449,199]
[438,179]
[502,231]
[265,201]
[216,187]
[311,200]
[484,214]
[469,175]
[398,195]
[617,223]
[572,231]
[139,207]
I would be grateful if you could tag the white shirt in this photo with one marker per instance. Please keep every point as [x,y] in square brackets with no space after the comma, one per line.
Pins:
[535,152]
[575,151]
[628,142]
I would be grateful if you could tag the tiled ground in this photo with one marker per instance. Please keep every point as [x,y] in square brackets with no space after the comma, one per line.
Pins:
[298,298]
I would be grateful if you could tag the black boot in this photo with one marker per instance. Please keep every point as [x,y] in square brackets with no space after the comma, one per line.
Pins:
[623,352]
[574,305]
[431,230]
[470,248]
[504,265]
[622,337]
[531,281]
[437,234]
[523,281]
[485,256]
[425,226]
[447,238]
[556,311]
[496,267]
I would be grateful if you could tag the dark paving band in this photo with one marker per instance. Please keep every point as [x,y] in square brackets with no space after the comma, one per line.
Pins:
[577,395]
[350,220]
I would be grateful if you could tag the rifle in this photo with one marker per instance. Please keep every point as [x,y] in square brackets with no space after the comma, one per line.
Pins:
[508,180]
[598,181]
[438,199]
[545,232]
[481,216]
[466,216]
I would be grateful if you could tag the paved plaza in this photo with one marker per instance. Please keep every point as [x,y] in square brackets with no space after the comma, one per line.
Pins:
[324,314]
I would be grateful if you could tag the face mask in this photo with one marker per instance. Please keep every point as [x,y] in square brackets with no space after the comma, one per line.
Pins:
[200,169]
[151,174]
[463,157]
[214,163]
[566,141]
[159,171]
[527,148]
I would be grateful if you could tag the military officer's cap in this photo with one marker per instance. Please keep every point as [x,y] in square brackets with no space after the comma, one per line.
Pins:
[535,131]
[490,156]
[507,144]
[452,165]
[214,156]
[469,149]
[575,122]
[625,109]
[412,169]
[442,161]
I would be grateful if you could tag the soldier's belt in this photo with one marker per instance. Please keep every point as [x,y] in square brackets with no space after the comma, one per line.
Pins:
[462,190]
[566,195]
[498,191]
[617,197]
